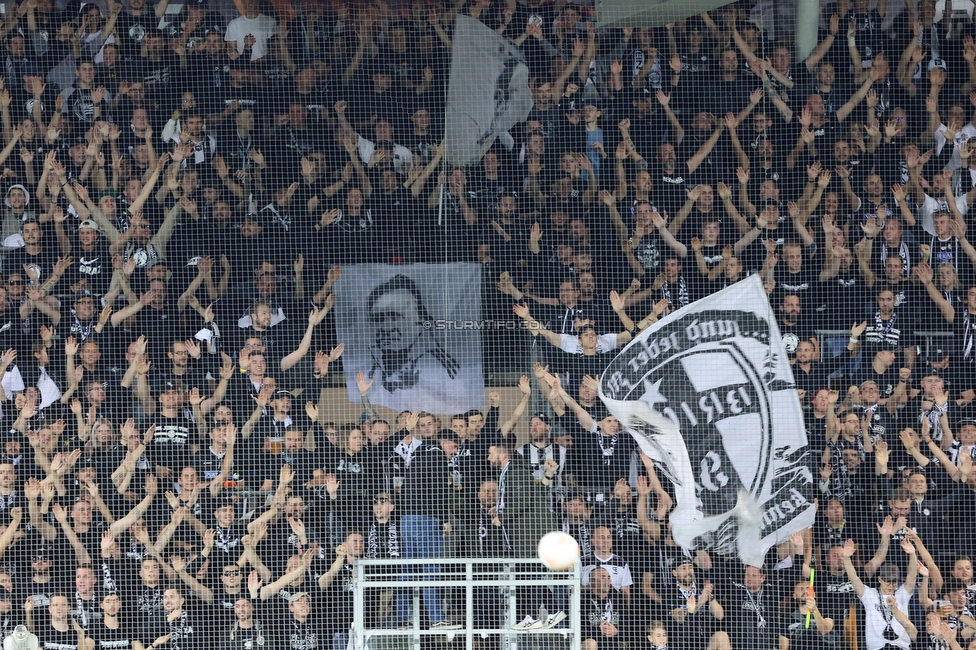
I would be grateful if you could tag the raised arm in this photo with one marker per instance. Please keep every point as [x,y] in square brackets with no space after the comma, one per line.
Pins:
[525,386]
[137,512]
[586,420]
[81,553]
[199,589]
[535,327]
[849,568]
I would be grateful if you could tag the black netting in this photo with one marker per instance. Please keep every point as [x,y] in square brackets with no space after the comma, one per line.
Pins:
[262,322]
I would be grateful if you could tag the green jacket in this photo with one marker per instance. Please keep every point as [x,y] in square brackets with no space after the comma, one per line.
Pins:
[525,512]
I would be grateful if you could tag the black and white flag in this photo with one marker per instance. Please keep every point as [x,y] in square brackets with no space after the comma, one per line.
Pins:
[488,92]
[708,393]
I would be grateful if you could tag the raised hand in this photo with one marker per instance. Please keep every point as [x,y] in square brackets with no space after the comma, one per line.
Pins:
[362,384]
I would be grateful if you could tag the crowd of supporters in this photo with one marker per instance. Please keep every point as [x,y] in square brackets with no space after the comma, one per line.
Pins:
[183,185]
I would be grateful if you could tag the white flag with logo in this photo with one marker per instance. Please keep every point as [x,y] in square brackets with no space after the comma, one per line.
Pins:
[708,394]
[414,332]
[488,92]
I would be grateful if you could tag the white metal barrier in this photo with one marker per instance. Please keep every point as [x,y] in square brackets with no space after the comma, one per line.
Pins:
[500,576]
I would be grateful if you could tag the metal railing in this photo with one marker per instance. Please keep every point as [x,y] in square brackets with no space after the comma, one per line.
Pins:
[929,336]
[504,576]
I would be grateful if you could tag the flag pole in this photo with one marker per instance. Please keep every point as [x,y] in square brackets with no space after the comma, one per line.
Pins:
[440,207]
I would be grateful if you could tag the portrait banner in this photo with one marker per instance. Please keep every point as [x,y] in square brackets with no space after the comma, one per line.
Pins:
[414,332]
[709,395]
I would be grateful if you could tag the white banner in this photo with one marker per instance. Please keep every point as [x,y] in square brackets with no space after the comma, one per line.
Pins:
[413,330]
[708,393]
[488,92]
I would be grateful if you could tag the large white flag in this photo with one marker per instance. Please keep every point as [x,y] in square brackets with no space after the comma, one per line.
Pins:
[708,393]
[488,92]
[413,330]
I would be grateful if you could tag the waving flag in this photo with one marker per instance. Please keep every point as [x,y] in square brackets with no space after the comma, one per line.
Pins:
[709,395]
[488,92]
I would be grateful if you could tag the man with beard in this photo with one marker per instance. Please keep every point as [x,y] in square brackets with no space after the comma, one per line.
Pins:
[797,635]
[185,631]
[541,448]
[695,611]
[891,329]
[602,614]
[522,511]
[793,324]
[247,632]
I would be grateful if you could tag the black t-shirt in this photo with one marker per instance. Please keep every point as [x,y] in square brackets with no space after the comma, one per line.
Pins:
[751,619]
[170,445]
[696,629]
[314,634]
[94,266]
[255,637]
[802,330]
[807,638]
[887,381]
[804,283]
[23,103]
[187,632]
[835,595]
[120,638]
[606,458]
[338,601]
[14,261]
[894,333]
[131,29]
[52,639]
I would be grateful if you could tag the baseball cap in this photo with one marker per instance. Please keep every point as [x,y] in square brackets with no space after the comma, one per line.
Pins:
[936,356]
[677,559]
[447,434]
[89,223]
[937,63]
[578,494]
[294,598]
[542,416]
[155,261]
[889,572]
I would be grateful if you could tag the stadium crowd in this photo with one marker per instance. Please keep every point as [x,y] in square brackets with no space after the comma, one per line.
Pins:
[181,191]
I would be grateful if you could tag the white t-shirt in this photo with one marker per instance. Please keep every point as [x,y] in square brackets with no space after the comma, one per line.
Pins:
[965,133]
[616,566]
[571,343]
[263,28]
[401,155]
[877,617]
[931,205]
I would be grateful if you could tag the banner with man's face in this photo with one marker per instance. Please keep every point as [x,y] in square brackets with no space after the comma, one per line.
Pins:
[708,394]
[413,331]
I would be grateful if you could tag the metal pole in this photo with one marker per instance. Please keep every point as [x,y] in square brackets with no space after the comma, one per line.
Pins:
[440,207]
[358,625]
[574,609]
[468,606]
